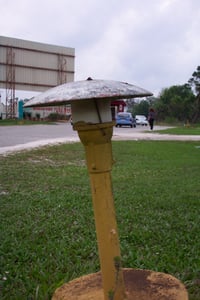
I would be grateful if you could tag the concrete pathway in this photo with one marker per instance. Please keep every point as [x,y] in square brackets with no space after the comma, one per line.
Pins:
[18,138]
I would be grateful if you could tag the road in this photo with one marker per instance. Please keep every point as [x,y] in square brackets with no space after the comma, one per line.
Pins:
[16,138]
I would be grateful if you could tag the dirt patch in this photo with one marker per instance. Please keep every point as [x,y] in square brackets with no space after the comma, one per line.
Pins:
[139,285]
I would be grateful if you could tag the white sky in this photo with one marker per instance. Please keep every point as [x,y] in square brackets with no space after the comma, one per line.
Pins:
[151,43]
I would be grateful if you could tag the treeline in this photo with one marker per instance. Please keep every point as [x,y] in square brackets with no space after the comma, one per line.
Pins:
[178,103]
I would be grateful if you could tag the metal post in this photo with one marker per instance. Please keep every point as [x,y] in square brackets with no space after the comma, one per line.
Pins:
[97,142]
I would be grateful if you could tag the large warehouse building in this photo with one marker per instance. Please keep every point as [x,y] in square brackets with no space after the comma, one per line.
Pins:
[32,66]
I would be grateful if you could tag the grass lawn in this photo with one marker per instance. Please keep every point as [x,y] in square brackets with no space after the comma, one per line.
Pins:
[47,224]
[13,122]
[182,130]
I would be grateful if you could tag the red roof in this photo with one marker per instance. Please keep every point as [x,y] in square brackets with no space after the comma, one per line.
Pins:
[118,102]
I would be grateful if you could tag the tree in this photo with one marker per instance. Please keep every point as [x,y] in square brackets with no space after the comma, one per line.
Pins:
[176,102]
[142,108]
[194,82]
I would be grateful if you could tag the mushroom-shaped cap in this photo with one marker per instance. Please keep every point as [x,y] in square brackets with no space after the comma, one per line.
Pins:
[86,90]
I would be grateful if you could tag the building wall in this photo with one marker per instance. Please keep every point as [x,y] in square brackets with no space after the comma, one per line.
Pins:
[2,111]
[44,112]
[37,66]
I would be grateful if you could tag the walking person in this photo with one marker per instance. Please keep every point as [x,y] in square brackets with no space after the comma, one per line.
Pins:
[151,118]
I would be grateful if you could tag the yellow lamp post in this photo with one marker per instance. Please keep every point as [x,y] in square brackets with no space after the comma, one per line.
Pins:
[92,120]
[90,101]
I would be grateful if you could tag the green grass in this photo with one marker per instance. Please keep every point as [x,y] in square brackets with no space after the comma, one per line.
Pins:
[182,130]
[47,224]
[13,122]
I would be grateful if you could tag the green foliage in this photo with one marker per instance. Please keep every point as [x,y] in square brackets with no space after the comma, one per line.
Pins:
[176,102]
[194,81]
[195,84]
[47,223]
[56,117]
[13,122]
[141,108]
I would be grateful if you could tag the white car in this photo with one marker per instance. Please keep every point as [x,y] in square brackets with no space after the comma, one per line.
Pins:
[141,120]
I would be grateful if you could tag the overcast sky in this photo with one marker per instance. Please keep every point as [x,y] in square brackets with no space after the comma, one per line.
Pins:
[151,43]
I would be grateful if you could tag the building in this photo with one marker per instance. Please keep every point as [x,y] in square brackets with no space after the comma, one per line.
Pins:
[2,111]
[32,66]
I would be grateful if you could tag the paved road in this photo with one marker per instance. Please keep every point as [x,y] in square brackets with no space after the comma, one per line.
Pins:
[16,138]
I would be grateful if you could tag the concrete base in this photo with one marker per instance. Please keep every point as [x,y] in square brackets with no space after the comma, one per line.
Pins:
[139,284]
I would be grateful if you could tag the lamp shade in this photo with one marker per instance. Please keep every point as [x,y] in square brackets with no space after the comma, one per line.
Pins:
[85,90]
[90,99]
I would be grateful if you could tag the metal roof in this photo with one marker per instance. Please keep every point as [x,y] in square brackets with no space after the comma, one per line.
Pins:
[86,90]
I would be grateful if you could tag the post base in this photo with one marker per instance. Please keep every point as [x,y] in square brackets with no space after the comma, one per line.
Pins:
[139,285]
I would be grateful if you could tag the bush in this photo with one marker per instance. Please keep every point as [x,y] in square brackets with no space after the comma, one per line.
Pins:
[56,117]
[38,116]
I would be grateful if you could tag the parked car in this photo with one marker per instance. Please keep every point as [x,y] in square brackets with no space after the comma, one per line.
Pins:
[141,120]
[125,119]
